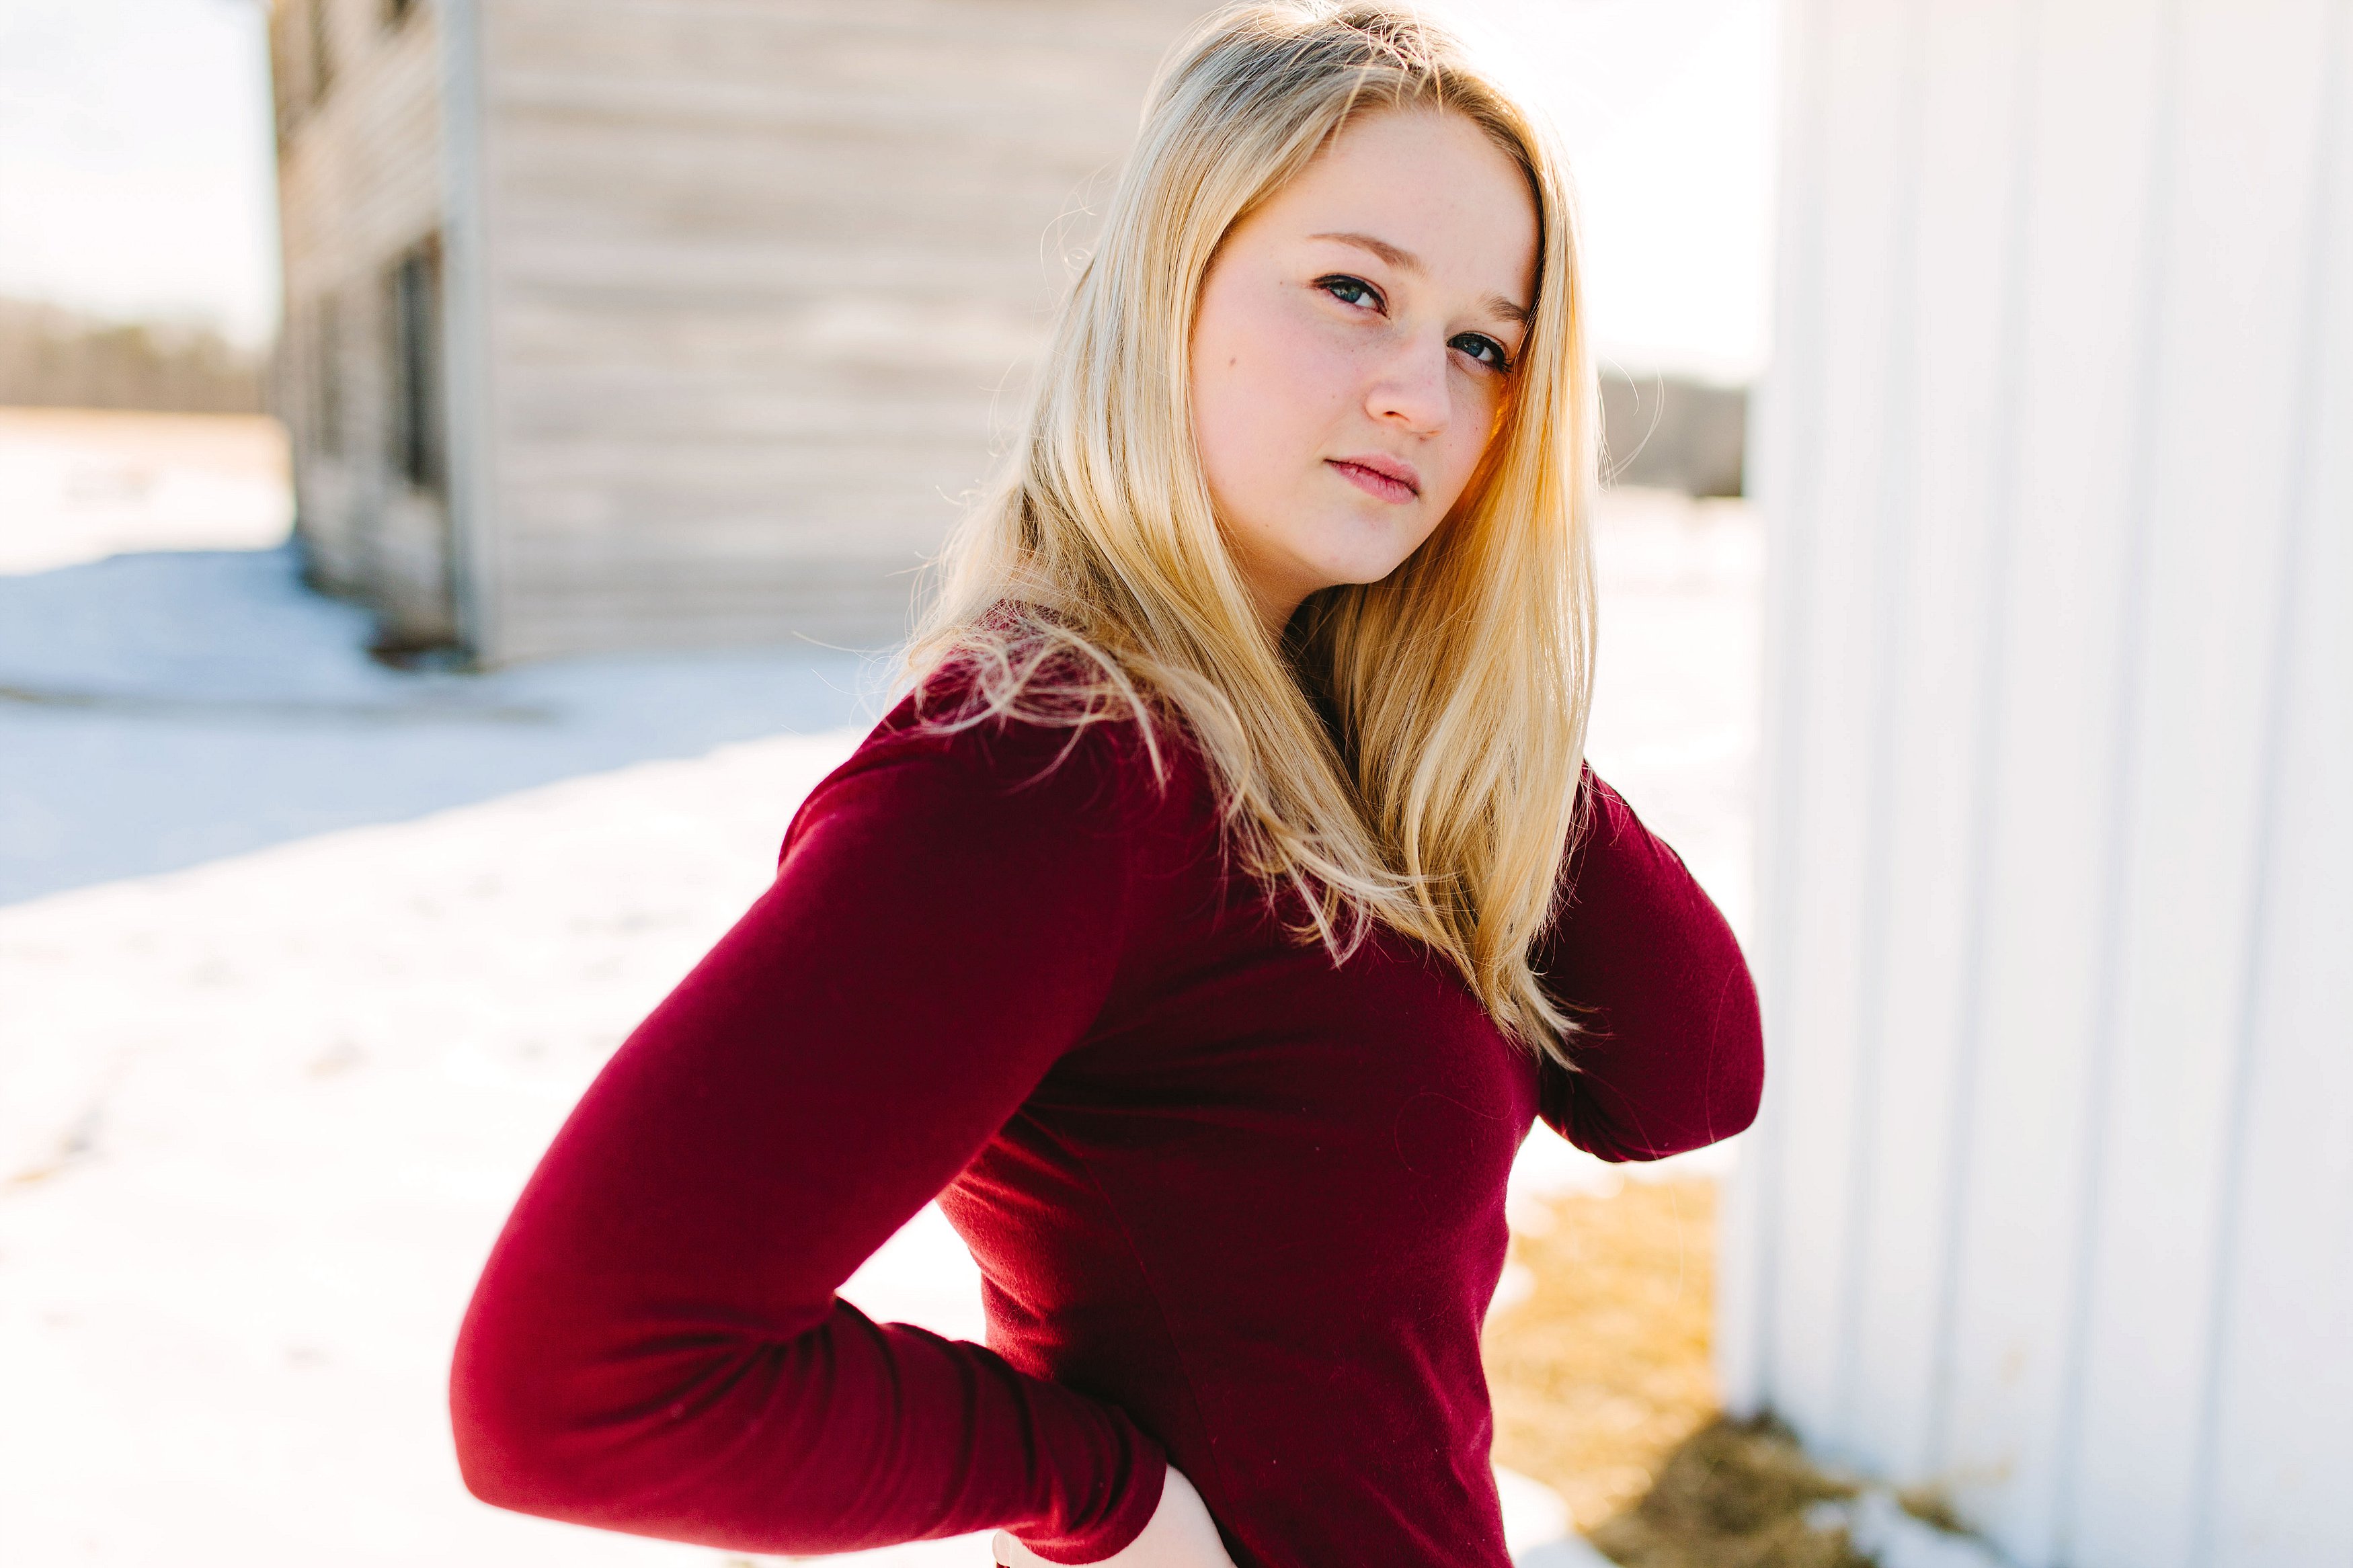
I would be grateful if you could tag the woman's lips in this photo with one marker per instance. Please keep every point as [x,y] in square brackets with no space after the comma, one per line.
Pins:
[1383,479]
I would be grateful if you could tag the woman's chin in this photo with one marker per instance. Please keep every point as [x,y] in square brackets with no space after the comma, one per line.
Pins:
[1360,565]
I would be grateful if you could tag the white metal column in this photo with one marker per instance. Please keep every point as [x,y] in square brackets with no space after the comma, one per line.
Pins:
[2052,1202]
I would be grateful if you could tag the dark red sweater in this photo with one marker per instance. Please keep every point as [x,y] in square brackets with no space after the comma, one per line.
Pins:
[1236,1208]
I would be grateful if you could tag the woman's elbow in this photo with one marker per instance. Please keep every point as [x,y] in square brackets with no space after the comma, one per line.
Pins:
[1736,1113]
[1738,1064]
[1712,1092]
[535,1420]
[509,1454]
[644,1433]
[504,1475]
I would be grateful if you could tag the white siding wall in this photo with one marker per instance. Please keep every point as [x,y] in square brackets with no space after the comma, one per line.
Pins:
[2052,1203]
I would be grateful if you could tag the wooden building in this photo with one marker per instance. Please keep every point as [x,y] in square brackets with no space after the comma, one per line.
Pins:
[2051,1203]
[671,323]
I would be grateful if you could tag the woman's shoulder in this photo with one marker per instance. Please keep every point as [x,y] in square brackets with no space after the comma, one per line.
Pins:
[951,745]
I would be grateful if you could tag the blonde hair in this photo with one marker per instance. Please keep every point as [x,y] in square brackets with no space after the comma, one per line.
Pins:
[1092,583]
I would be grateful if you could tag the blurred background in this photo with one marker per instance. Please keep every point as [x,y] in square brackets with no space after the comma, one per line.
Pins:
[462,469]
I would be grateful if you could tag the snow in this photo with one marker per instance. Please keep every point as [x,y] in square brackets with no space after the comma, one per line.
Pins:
[81,484]
[306,1084]
[1877,1526]
[161,710]
[305,960]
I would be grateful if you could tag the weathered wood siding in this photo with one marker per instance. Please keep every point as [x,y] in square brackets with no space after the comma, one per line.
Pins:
[755,275]
[359,185]
[2052,1202]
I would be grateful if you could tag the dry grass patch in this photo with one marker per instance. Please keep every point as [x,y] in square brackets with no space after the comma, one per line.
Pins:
[1603,1368]
[1732,1495]
[1604,1391]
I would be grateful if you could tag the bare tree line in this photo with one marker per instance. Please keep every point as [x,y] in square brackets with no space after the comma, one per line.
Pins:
[56,358]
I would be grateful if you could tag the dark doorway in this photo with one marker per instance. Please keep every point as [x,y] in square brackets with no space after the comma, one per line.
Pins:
[419,441]
[416,565]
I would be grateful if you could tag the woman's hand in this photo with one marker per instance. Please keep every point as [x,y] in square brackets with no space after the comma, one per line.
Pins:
[1181,1534]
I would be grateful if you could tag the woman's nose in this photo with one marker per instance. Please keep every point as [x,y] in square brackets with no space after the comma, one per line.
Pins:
[1410,387]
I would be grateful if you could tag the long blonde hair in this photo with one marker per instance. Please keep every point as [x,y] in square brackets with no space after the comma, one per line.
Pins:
[1091,582]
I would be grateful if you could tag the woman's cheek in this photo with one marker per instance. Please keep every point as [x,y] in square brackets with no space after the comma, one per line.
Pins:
[1476,422]
[1290,410]
[1323,366]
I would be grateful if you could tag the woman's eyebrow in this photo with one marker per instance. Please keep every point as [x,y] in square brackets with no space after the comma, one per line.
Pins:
[1405,260]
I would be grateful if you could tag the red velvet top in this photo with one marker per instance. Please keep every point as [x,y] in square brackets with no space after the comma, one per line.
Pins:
[1236,1208]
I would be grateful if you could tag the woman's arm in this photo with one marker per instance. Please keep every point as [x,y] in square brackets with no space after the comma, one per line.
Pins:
[655,1345]
[1181,1535]
[1672,1054]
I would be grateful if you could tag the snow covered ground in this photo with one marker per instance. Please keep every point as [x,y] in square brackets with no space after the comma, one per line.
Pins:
[82,484]
[302,961]
[163,710]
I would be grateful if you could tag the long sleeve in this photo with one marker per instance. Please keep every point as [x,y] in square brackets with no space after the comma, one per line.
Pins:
[1672,1054]
[655,1345]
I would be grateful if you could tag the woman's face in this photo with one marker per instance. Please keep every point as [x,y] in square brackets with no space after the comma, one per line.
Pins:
[1353,347]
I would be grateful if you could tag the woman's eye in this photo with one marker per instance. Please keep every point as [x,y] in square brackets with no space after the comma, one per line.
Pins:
[1485,350]
[1349,291]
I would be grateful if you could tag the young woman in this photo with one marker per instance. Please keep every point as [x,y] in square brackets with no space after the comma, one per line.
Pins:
[1205,931]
